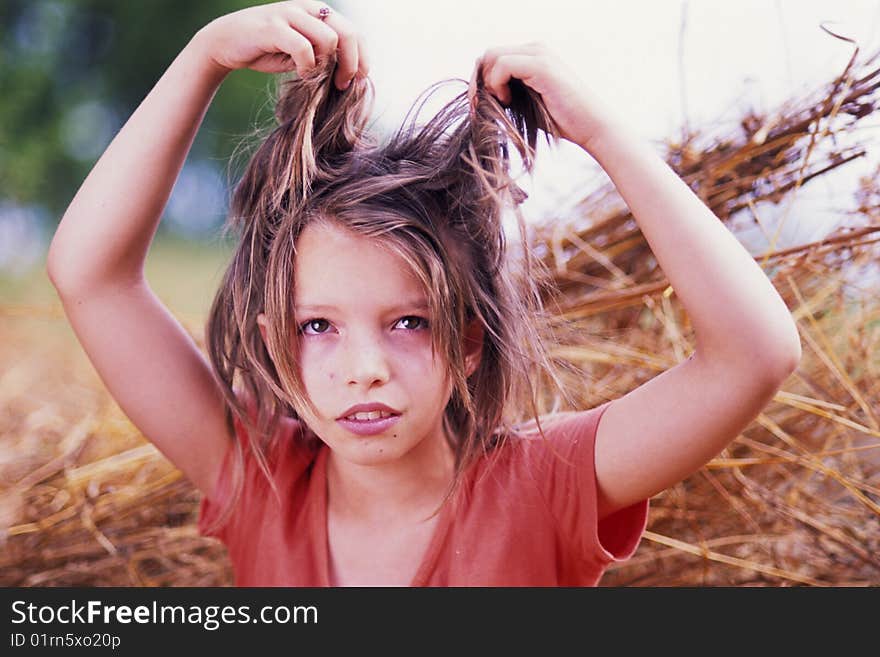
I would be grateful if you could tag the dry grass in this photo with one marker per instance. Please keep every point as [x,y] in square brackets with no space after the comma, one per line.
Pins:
[84,499]
[795,499]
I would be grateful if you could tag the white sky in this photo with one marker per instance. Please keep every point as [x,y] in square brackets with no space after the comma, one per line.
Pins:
[736,54]
[627,49]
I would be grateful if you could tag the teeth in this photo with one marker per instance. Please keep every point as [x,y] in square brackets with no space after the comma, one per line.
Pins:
[372,415]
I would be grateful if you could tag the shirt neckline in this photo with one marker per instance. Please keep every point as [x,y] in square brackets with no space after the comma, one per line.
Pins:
[429,558]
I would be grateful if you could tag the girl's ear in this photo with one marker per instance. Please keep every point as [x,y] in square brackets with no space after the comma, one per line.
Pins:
[473,346]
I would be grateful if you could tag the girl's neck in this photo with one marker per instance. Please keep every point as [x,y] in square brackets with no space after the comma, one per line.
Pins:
[408,489]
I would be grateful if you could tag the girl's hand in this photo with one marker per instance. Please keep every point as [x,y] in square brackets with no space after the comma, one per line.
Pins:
[284,36]
[579,115]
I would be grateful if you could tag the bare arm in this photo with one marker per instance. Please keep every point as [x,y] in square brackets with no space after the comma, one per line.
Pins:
[96,260]
[747,342]
[107,229]
[737,313]
[114,215]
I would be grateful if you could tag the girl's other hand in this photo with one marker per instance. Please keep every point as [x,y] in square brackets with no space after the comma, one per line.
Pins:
[579,114]
[284,36]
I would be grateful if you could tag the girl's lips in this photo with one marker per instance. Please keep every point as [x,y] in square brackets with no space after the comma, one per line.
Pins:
[369,427]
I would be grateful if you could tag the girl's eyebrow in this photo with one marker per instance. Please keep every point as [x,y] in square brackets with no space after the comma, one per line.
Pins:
[419,304]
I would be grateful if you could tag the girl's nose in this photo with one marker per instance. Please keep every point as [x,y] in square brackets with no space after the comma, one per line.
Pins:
[367,363]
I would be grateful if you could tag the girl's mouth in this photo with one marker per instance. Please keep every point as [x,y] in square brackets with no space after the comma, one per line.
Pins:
[372,425]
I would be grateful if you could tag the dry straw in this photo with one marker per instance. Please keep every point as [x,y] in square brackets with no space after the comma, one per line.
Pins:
[794,500]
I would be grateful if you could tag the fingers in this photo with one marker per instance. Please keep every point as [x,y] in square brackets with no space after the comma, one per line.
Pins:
[345,41]
[472,85]
[348,52]
[322,37]
[363,59]
[298,46]
[501,64]
[521,67]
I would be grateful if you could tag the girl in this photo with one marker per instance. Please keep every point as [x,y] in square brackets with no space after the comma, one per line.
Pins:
[372,342]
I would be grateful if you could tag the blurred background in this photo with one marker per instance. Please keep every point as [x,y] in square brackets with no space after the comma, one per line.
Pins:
[699,79]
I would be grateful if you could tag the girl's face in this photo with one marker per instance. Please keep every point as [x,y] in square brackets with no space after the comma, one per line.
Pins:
[365,336]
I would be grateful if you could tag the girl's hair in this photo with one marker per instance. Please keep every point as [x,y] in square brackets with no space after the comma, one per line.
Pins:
[435,195]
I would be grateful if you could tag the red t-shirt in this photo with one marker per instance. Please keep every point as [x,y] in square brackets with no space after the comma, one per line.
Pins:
[525,518]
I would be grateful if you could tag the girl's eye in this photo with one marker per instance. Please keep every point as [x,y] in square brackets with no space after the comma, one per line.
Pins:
[414,322]
[321,326]
[312,324]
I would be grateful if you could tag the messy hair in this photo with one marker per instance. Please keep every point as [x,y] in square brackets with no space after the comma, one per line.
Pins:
[434,194]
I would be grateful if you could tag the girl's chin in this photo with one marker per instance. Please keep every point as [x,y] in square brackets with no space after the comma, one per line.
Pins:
[368,451]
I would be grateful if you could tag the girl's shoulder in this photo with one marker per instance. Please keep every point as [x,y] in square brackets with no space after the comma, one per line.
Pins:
[558,423]
[539,448]
[254,473]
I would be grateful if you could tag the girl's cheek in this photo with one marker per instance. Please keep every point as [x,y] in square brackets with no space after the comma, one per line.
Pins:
[421,361]
[314,362]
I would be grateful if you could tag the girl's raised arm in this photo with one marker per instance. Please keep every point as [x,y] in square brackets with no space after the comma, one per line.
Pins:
[96,260]
[747,342]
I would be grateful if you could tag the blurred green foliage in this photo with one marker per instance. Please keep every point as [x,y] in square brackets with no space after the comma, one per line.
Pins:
[72,71]
[184,274]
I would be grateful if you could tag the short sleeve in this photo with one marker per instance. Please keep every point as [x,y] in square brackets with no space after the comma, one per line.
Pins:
[287,460]
[565,470]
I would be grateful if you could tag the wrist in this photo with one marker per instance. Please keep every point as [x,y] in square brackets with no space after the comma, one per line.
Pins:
[199,52]
[602,133]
